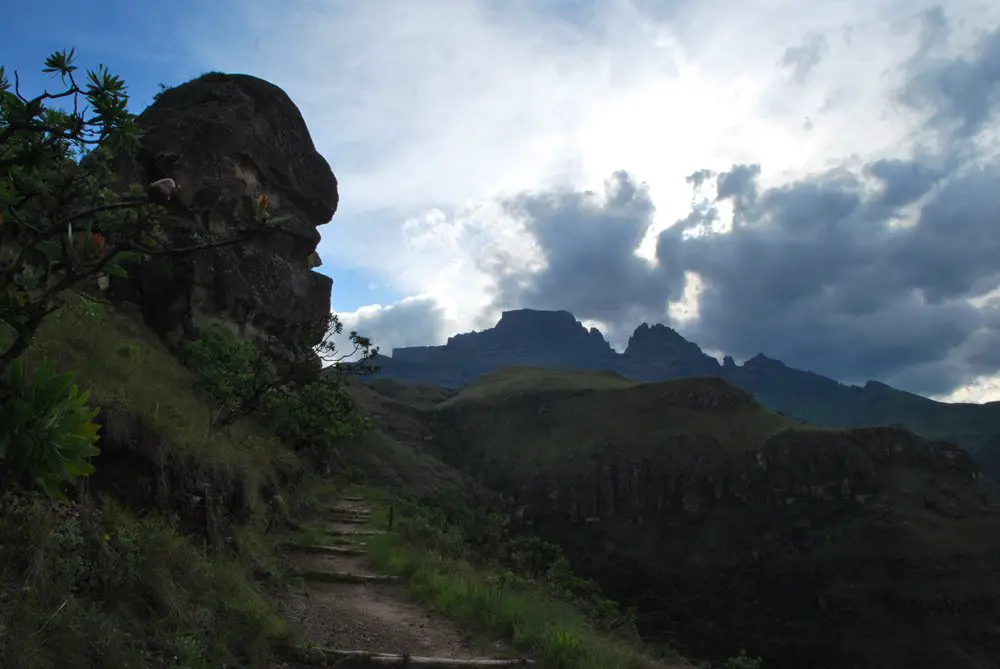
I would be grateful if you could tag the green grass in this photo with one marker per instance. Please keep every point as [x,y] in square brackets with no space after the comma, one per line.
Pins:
[512,382]
[86,587]
[92,583]
[126,366]
[520,422]
[553,632]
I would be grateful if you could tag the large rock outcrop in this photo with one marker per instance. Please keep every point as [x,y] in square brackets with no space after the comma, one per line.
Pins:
[225,139]
[520,337]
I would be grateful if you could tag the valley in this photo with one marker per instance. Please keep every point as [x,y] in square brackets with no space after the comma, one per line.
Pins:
[727,525]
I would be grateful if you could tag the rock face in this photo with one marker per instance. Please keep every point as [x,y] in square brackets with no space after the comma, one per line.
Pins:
[225,139]
[521,337]
[659,352]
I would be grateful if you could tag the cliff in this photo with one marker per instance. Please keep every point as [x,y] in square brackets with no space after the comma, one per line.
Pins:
[657,352]
[732,527]
[225,139]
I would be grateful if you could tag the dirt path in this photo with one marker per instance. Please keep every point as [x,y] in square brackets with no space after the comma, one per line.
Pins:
[378,617]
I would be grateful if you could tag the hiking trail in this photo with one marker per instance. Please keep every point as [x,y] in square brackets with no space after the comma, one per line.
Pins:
[358,617]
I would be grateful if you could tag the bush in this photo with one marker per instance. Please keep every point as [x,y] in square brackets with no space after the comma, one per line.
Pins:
[47,433]
[315,416]
[231,372]
[307,408]
[97,586]
[742,661]
[481,536]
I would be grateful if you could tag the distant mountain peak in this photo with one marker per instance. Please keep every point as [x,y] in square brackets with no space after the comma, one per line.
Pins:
[659,339]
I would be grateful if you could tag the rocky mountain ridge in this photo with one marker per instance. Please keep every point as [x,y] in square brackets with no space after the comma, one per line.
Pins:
[657,352]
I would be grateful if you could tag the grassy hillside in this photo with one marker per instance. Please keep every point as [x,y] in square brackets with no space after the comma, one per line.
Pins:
[729,526]
[160,557]
[516,423]
[514,382]
[167,555]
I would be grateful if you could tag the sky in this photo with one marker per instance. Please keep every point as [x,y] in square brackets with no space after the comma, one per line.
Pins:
[818,182]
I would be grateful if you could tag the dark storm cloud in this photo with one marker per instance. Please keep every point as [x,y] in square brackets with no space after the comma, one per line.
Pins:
[961,94]
[817,277]
[588,242]
[856,274]
[738,182]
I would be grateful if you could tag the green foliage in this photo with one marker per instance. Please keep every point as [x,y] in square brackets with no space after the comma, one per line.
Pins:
[84,587]
[62,223]
[742,661]
[317,416]
[499,605]
[47,433]
[308,409]
[482,537]
[232,372]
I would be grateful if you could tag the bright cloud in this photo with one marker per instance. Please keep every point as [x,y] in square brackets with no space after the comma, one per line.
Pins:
[438,116]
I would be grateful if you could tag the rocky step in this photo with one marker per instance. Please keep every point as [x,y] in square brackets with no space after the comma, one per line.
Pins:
[350,513]
[352,499]
[338,532]
[326,550]
[348,520]
[343,577]
[360,658]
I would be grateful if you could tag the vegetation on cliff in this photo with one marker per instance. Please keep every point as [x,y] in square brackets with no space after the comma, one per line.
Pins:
[730,527]
[133,533]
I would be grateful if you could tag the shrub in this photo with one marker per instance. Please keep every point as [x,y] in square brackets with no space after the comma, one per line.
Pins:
[482,536]
[307,408]
[47,433]
[742,661]
[231,372]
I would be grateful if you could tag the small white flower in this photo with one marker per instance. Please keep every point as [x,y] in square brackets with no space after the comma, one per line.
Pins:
[103,281]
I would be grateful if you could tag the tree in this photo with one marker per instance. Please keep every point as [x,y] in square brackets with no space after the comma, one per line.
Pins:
[64,218]
[308,406]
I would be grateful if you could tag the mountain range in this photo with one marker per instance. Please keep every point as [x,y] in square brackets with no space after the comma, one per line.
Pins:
[556,339]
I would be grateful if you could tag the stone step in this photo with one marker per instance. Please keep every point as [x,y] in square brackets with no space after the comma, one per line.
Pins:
[343,577]
[352,513]
[349,659]
[335,532]
[326,550]
[349,520]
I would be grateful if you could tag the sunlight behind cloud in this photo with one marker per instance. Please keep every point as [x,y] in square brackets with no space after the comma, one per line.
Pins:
[432,113]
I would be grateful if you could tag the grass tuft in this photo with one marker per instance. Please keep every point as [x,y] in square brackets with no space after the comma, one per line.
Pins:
[554,632]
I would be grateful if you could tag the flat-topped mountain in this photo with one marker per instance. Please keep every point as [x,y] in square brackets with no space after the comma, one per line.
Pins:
[658,353]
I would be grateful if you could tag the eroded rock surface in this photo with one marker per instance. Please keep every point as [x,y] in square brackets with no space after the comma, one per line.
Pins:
[225,139]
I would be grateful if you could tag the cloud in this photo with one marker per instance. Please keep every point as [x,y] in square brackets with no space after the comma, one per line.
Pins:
[413,321]
[814,185]
[962,92]
[803,58]
[857,273]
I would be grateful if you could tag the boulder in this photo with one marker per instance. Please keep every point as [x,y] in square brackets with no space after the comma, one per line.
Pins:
[225,139]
